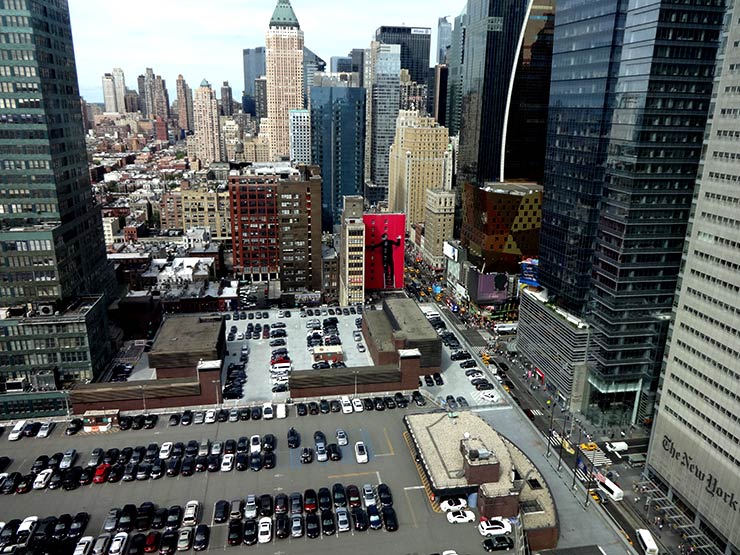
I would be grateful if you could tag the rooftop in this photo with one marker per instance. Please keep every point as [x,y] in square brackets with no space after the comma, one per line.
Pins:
[284,16]
[513,188]
[407,317]
[180,333]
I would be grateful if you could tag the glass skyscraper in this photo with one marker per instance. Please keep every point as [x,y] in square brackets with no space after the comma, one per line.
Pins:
[415,45]
[254,67]
[338,146]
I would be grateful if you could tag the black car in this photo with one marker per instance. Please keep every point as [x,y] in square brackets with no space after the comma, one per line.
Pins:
[294,438]
[282,526]
[168,543]
[401,400]
[78,526]
[242,444]
[71,479]
[418,399]
[55,460]
[339,495]
[255,461]
[214,463]
[301,409]
[144,515]
[451,402]
[268,442]
[173,467]
[138,422]
[75,425]
[313,408]
[129,473]
[125,456]
[265,505]
[61,529]
[187,418]
[256,413]
[268,461]
[373,516]
[379,404]
[324,499]
[460,355]
[324,406]
[334,452]
[116,473]
[313,527]
[484,386]
[39,464]
[498,543]
[160,518]
[174,420]
[55,482]
[250,531]
[150,420]
[44,531]
[174,517]
[389,519]
[200,538]
[389,402]
[462,402]
[385,496]
[111,456]
[368,404]
[306,455]
[438,378]
[136,544]
[158,470]
[127,518]
[221,511]
[244,414]
[328,523]
[428,381]
[229,447]
[8,534]
[241,461]
[335,405]
[469,363]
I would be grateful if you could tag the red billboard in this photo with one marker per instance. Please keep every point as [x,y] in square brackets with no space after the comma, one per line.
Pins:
[384,246]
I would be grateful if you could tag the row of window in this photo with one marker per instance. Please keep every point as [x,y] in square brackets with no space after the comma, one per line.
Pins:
[724,199]
[688,424]
[712,321]
[713,279]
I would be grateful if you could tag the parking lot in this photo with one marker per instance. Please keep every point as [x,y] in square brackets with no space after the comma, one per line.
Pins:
[421,529]
[258,387]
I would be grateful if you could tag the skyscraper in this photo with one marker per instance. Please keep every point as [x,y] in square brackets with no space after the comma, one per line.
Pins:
[161,98]
[109,93]
[119,82]
[300,136]
[184,104]
[206,123]
[415,43]
[352,257]
[413,95]
[340,64]
[227,100]
[455,57]
[260,98]
[148,92]
[697,412]
[284,71]
[384,96]
[444,39]
[358,63]
[52,250]
[337,145]
[254,67]
[312,64]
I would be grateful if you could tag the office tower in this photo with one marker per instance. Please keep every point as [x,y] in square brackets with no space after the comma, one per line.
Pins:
[260,98]
[312,65]
[276,226]
[352,252]
[697,411]
[340,64]
[338,146]
[131,101]
[109,93]
[227,100]
[53,262]
[455,56]
[439,106]
[419,160]
[232,135]
[119,82]
[148,92]
[141,86]
[161,98]
[500,88]
[439,224]
[384,96]
[184,104]
[444,39]
[207,135]
[412,95]
[358,63]
[415,45]
[300,136]
[284,71]
[254,67]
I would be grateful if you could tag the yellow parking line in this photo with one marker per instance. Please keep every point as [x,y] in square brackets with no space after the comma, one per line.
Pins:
[350,475]
[388,439]
[422,476]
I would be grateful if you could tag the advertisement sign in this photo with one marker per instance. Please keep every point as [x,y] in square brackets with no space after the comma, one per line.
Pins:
[384,248]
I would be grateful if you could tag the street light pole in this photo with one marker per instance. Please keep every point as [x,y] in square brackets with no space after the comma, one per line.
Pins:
[549,434]
[575,464]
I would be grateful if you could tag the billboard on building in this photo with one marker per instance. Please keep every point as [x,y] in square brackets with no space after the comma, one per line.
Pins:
[384,249]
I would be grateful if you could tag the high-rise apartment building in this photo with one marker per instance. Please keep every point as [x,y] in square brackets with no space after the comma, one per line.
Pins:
[384,98]
[444,39]
[455,57]
[232,139]
[284,72]
[161,99]
[419,160]
[227,100]
[184,104]
[340,64]
[352,252]
[439,104]
[412,95]
[276,226]
[260,98]
[505,87]
[338,146]
[415,43]
[206,207]
[109,93]
[119,82]
[300,136]
[254,67]
[207,135]
[697,416]
[52,250]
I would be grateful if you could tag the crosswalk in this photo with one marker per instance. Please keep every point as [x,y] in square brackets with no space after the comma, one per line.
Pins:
[597,457]
[537,412]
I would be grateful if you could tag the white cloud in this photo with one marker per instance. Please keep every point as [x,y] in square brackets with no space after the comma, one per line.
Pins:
[205,39]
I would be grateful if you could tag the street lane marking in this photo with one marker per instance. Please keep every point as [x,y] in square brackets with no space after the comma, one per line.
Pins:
[411,506]
[351,474]
[388,439]
[408,488]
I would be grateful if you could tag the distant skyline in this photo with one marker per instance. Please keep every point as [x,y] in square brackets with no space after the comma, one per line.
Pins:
[205,40]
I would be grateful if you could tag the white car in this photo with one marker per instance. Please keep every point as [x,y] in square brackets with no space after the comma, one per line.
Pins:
[227,463]
[357,404]
[84,546]
[342,437]
[494,526]
[185,538]
[453,504]
[118,545]
[255,444]
[46,429]
[361,452]
[210,417]
[41,481]
[166,450]
[361,347]
[264,530]
[368,495]
[460,517]
[346,405]
[268,413]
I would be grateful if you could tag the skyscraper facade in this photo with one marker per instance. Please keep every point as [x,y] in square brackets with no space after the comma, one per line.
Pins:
[52,250]
[352,252]
[109,93]
[455,56]
[358,63]
[284,71]
[337,146]
[184,104]
[227,100]
[260,98]
[340,64]
[697,412]
[254,67]
[415,43]
[207,135]
[119,82]
[444,39]
[312,64]
[300,136]
[161,98]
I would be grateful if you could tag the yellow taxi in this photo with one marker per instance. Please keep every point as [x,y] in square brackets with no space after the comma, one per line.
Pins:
[590,446]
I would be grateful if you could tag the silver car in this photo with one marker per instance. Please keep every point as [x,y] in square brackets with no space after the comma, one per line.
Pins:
[342,519]
[70,455]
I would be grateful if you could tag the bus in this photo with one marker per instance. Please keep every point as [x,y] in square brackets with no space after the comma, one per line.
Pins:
[17,431]
[610,488]
[505,327]
[646,541]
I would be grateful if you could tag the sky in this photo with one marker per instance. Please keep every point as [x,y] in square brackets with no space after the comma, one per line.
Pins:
[205,38]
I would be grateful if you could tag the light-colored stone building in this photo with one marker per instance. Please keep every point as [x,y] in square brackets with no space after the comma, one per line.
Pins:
[439,223]
[352,252]
[208,208]
[206,123]
[300,136]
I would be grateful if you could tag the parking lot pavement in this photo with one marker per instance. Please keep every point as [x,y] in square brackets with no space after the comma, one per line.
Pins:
[421,529]
[258,386]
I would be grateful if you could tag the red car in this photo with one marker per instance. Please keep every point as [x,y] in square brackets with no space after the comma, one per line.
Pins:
[101,473]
